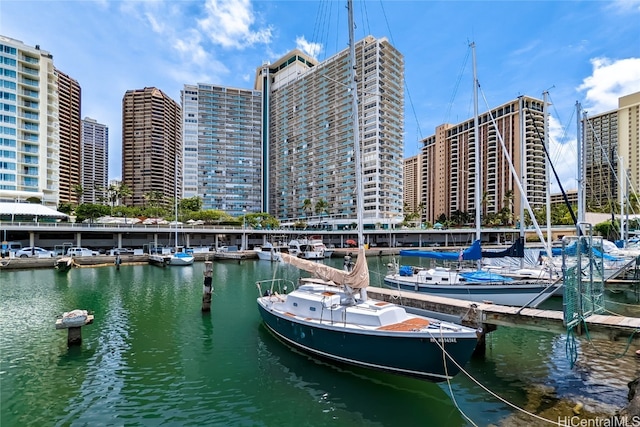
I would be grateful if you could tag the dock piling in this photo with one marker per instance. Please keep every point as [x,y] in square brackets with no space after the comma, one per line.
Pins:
[73,322]
[207,288]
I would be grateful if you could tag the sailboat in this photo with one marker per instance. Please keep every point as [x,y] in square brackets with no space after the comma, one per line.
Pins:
[329,315]
[180,256]
[521,287]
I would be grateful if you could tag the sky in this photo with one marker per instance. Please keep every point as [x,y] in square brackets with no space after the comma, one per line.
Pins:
[577,51]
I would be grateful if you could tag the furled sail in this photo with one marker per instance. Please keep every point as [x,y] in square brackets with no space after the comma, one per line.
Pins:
[357,278]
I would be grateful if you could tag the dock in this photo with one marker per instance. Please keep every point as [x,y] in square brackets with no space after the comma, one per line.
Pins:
[489,316]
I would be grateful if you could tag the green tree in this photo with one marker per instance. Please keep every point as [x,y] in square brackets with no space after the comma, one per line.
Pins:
[78,190]
[307,206]
[321,207]
[191,204]
[90,211]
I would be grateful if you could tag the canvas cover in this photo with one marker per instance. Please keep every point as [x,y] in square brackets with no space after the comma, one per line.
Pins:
[357,278]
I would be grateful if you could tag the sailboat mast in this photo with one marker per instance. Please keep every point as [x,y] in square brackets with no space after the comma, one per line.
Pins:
[476,140]
[356,127]
[581,171]
[175,197]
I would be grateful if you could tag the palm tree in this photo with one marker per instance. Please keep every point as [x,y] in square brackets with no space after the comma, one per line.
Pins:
[307,206]
[321,206]
[79,191]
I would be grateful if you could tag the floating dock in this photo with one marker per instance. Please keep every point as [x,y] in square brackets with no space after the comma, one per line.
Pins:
[490,316]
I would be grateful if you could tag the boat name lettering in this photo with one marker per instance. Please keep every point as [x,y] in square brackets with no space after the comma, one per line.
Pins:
[444,340]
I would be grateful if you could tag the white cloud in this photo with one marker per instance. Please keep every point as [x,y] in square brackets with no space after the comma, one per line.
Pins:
[563,154]
[610,80]
[228,23]
[311,49]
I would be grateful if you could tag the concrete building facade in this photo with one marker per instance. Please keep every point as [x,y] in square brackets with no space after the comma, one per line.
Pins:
[308,132]
[95,161]
[449,169]
[151,146]
[612,153]
[30,127]
[223,147]
[69,105]
[412,192]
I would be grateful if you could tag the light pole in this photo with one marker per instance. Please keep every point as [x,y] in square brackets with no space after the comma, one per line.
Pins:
[244,229]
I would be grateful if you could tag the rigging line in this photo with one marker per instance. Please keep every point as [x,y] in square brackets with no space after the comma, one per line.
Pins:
[446,374]
[555,173]
[404,78]
[495,395]
[457,85]
[563,137]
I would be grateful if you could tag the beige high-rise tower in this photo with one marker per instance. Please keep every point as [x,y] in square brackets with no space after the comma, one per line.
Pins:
[69,104]
[449,163]
[151,146]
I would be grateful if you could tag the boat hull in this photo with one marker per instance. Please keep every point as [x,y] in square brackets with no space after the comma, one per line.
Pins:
[405,354]
[180,260]
[509,293]
[269,256]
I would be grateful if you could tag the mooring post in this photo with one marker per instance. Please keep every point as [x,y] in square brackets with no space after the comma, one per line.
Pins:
[207,288]
[73,322]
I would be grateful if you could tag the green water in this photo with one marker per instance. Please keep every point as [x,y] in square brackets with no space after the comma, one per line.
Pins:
[152,358]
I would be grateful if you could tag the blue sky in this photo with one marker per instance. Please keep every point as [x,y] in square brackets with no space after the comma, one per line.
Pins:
[586,51]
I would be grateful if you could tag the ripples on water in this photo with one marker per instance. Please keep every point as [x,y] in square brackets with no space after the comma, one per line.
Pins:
[153,358]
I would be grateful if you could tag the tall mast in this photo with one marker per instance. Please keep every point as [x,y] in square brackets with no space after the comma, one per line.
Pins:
[581,171]
[547,166]
[356,128]
[476,140]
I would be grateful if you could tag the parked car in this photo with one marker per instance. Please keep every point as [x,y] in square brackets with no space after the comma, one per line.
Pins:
[81,252]
[33,251]
[8,247]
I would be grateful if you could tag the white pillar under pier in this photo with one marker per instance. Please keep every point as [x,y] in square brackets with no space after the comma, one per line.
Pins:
[78,239]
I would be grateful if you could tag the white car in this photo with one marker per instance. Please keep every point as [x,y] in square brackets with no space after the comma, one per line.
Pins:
[81,252]
[33,251]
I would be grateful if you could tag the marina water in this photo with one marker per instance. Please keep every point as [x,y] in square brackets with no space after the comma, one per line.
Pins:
[153,358]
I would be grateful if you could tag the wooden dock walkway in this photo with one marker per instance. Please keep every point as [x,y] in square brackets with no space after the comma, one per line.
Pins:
[490,316]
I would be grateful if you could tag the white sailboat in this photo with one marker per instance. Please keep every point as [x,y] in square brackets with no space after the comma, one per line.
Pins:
[521,287]
[181,255]
[331,316]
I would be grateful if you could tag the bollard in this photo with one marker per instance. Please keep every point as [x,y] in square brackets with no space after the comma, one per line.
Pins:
[73,321]
[207,288]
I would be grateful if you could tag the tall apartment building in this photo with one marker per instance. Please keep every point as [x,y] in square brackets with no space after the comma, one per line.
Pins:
[151,145]
[629,139]
[223,147]
[308,132]
[449,162]
[69,104]
[29,125]
[95,161]
[412,193]
[612,153]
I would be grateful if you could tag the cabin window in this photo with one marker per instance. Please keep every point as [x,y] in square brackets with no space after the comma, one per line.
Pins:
[295,304]
[312,308]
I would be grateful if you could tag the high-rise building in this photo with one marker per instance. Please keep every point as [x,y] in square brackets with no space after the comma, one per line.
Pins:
[29,128]
[612,153]
[151,147]
[69,104]
[629,139]
[308,132]
[449,170]
[412,193]
[222,147]
[95,161]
